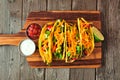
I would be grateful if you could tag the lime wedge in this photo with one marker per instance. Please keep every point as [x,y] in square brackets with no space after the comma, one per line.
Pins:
[98,37]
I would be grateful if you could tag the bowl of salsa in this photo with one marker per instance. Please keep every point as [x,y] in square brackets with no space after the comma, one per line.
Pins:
[33,31]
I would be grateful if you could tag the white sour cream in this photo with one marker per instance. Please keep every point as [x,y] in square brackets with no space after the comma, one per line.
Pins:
[27,47]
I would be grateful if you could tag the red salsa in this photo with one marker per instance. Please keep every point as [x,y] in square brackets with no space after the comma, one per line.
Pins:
[33,31]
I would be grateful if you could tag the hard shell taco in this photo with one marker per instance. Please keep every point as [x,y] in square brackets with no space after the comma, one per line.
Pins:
[58,40]
[87,38]
[45,42]
[73,46]
[61,40]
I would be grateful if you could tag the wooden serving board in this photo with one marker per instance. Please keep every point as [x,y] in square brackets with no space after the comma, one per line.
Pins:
[42,17]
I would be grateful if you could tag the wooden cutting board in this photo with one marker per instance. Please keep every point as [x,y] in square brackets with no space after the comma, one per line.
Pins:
[42,17]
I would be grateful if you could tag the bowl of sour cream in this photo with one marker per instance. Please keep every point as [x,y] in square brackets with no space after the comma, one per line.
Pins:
[27,47]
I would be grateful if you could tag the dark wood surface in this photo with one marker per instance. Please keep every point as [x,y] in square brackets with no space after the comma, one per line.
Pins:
[13,14]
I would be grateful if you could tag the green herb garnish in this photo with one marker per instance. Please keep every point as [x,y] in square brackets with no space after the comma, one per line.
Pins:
[68,54]
[58,55]
[78,49]
[47,33]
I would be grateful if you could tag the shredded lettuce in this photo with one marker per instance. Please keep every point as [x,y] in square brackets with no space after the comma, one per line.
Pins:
[47,33]
[58,55]
[68,54]
[78,49]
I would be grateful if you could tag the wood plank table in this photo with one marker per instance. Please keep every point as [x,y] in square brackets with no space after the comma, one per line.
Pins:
[13,14]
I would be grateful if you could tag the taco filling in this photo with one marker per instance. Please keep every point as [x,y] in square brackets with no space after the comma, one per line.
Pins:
[73,47]
[45,42]
[58,40]
[66,41]
[87,38]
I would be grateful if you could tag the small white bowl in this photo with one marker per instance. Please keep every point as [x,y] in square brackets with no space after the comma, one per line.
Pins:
[27,47]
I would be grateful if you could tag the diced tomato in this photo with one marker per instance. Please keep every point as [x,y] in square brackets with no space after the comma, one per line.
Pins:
[49,27]
[30,32]
[35,27]
[54,48]
[35,31]
[30,29]
[38,35]
[74,59]
[32,25]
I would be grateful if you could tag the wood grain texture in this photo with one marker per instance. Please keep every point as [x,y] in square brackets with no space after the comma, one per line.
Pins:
[12,39]
[26,72]
[57,74]
[10,18]
[58,5]
[32,5]
[84,5]
[83,74]
[111,46]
